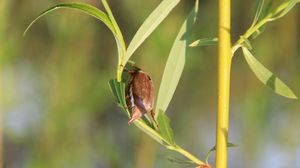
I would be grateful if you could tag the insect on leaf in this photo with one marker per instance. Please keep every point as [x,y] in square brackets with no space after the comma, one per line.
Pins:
[204,42]
[118,90]
[165,128]
[149,25]
[267,77]
[175,62]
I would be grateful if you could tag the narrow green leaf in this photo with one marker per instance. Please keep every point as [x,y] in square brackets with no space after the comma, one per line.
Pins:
[113,21]
[286,10]
[267,77]
[96,13]
[268,14]
[149,25]
[149,131]
[259,9]
[175,62]
[180,161]
[165,128]
[229,145]
[114,90]
[204,42]
[118,89]
[267,9]
[85,8]
[119,37]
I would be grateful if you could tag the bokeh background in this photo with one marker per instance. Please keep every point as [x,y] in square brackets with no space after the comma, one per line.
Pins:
[57,110]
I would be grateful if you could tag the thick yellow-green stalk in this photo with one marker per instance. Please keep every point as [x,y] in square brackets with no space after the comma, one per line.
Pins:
[224,61]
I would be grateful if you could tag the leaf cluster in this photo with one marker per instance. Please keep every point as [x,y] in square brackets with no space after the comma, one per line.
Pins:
[265,13]
[176,59]
[172,72]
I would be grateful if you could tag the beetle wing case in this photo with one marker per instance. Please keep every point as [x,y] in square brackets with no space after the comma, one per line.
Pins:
[139,93]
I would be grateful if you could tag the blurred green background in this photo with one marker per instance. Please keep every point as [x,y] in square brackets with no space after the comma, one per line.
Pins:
[57,109]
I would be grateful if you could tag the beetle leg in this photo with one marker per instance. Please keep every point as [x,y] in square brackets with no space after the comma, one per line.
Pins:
[136,114]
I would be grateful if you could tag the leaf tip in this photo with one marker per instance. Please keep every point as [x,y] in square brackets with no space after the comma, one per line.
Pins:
[292,96]
[24,33]
[27,29]
[193,44]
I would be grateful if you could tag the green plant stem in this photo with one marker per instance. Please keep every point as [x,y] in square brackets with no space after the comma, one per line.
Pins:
[119,73]
[257,26]
[120,66]
[151,132]
[224,64]
[186,154]
[248,33]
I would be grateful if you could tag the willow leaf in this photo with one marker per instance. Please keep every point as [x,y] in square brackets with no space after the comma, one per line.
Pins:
[204,42]
[165,128]
[286,10]
[149,25]
[149,131]
[118,35]
[267,77]
[118,89]
[82,7]
[258,12]
[175,62]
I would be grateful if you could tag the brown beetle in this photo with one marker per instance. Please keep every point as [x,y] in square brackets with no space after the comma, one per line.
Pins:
[139,94]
